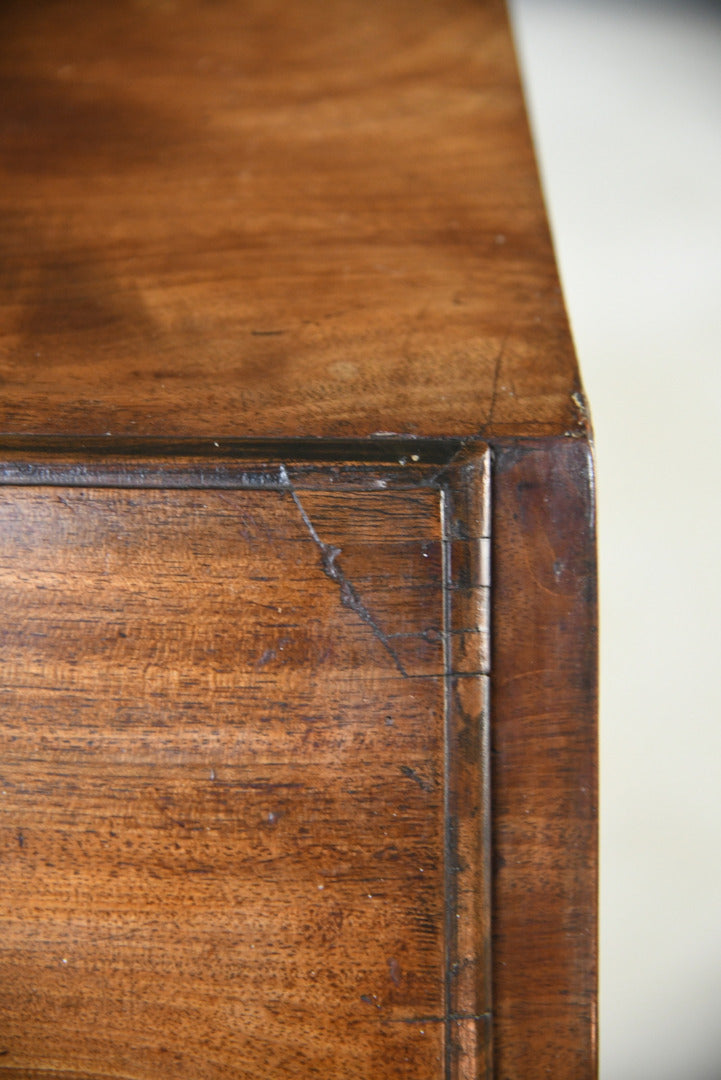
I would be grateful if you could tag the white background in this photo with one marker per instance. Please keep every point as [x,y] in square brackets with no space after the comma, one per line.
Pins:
[625,99]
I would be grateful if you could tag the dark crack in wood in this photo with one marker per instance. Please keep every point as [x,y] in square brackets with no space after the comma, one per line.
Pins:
[329,561]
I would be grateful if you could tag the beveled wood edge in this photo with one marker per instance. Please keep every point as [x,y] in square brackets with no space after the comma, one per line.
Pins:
[178,463]
[379,448]
[466,514]
[225,463]
[462,480]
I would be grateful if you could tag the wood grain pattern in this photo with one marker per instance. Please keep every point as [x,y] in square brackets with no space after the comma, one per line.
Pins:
[249,220]
[544,778]
[233,810]
[277,297]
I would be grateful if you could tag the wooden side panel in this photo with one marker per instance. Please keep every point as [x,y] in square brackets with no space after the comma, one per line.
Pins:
[544,762]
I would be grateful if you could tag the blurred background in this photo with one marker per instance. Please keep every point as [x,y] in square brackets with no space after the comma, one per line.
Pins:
[625,102]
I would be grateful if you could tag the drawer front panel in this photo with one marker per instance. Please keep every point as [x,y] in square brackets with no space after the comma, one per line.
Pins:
[230,778]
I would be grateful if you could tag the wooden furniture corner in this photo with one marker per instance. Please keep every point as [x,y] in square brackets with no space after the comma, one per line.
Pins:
[298,705]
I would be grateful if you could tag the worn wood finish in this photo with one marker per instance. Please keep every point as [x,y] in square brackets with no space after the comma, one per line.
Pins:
[544,761]
[277,298]
[250,219]
[239,801]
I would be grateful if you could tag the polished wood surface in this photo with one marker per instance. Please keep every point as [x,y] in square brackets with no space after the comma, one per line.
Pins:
[297,708]
[544,760]
[268,220]
[240,811]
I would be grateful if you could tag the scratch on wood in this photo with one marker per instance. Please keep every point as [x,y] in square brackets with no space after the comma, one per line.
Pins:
[494,387]
[348,594]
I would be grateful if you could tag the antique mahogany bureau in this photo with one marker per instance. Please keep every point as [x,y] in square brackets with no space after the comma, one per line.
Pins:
[297,739]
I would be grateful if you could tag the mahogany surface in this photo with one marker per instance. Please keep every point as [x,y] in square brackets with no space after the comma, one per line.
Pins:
[267,220]
[223,792]
[297,708]
[544,758]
